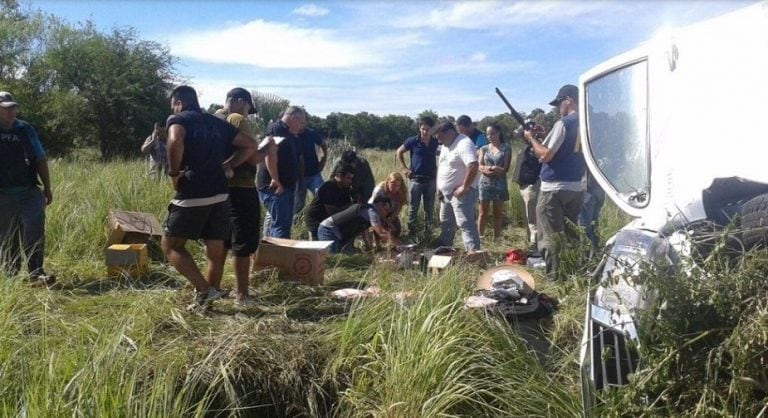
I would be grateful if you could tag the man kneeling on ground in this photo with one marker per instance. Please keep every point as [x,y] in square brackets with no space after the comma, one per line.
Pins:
[343,227]
[332,197]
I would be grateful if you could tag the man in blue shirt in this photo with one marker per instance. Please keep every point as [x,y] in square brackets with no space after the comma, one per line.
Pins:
[309,140]
[23,167]
[464,125]
[421,173]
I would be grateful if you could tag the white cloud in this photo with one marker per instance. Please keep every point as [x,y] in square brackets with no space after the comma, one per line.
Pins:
[274,45]
[478,57]
[310,10]
[490,15]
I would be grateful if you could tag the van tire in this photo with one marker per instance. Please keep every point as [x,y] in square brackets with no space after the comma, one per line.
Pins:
[754,222]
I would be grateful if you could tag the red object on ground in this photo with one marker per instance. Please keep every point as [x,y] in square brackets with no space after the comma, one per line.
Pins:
[515,256]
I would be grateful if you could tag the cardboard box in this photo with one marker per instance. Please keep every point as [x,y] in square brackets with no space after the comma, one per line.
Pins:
[126,259]
[302,261]
[131,227]
[438,263]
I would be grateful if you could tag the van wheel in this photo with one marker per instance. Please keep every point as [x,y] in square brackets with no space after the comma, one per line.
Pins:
[754,221]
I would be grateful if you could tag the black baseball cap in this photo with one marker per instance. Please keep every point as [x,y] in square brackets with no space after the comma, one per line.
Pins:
[568,90]
[241,93]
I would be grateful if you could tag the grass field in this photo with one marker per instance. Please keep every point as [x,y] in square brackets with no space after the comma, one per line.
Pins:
[93,346]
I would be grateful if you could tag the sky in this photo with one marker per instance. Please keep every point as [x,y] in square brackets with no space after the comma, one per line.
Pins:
[390,57]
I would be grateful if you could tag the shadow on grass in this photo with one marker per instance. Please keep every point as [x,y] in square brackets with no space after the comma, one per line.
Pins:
[100,286]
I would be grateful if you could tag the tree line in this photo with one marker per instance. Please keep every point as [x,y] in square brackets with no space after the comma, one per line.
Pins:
[84,88]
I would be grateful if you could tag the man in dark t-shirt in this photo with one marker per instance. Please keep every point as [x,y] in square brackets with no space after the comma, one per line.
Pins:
[277,194]
[342,227]
[200,151]
[333,196]
[364,183]
[309,140]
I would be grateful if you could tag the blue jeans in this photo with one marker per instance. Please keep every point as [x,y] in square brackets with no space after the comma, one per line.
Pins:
[22,221]
[279,210]
[590,215]
[421,191]
[460,212]
[311,183]
[330,234]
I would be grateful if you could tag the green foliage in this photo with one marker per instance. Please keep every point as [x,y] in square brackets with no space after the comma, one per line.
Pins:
[270,106]
[82,87]
[428,356]
[704,344]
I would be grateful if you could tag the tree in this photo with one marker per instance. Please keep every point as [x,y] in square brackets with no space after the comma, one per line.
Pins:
[394,129]
[360,129]
[269,105]
[213,107]
[428,112]
[123,81]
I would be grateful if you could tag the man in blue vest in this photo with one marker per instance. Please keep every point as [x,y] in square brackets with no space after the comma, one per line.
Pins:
[562,175]
[23,167]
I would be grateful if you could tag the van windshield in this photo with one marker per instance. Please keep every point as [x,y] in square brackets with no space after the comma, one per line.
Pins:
[617,130]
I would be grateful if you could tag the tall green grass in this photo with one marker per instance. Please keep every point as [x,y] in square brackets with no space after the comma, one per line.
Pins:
[431,357]
[93,346]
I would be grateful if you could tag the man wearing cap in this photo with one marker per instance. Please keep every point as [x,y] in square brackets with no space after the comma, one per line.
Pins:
[562,172]
[23,168]
[200,154]
[277,192]
[457,181]
[464,124]
[244,202]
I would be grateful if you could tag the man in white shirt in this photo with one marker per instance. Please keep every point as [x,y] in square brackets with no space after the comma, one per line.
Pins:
[457,183]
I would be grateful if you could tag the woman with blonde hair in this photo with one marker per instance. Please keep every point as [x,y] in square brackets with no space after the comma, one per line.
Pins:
[395,190]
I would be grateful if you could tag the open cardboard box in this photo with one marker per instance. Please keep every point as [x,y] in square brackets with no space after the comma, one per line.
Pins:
[302,261]
[131,227]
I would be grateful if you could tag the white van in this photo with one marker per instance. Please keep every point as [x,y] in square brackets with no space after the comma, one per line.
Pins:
[674,133]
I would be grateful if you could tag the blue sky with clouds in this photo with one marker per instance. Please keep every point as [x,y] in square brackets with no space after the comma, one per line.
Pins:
[393,57]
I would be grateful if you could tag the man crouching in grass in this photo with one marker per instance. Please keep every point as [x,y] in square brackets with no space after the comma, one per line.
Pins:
[200,151]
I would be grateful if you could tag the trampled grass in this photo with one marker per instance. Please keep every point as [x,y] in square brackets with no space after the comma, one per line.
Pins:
[95,346]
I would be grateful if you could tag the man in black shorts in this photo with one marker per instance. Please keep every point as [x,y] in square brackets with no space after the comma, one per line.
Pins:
[332,196]
[200,150]
[243,197]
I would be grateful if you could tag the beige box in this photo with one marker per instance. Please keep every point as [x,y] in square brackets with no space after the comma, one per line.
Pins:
[438,263]
[302,261]
[131,227]
[126,259]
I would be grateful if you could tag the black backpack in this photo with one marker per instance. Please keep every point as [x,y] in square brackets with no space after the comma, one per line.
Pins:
[527,167]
